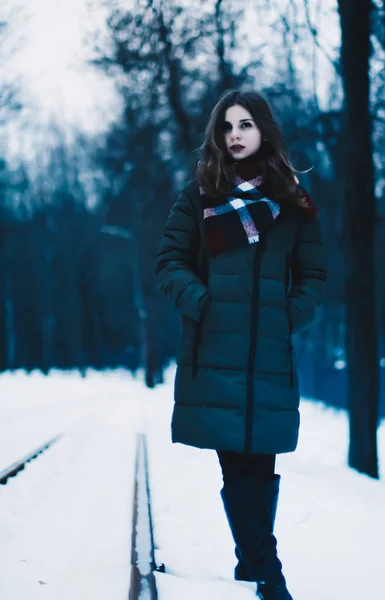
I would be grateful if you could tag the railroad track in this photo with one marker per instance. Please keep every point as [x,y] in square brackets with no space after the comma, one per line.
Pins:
[143,565]
[20,464]
[143,584]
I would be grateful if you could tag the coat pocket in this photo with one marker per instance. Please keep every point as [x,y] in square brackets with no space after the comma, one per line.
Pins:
[186,340]
[197,339]
[291,358]
[189,343]
[287,290]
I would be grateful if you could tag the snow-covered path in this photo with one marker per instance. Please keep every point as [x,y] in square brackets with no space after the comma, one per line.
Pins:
[330,525]
[65,521]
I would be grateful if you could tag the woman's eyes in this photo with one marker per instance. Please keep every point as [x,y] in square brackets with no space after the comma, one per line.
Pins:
[227,127]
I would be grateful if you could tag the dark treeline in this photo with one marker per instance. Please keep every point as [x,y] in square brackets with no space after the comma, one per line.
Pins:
[80,226]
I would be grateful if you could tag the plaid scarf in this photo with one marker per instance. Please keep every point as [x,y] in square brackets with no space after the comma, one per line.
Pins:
[241,220]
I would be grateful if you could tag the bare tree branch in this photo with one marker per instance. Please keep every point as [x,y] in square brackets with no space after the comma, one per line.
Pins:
[224,67]
[174,75]
[317,42]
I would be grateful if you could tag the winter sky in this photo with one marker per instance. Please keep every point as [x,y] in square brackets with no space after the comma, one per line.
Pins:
[49,42]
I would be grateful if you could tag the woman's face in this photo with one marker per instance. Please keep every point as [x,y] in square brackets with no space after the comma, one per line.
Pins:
[242,136]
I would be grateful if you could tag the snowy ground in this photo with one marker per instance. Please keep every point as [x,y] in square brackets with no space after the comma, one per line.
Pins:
[65,521]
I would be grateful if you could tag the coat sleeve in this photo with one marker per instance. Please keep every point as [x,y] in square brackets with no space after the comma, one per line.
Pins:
[308,273]
[176,261]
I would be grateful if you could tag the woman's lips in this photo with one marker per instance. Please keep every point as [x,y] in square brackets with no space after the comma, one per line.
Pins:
[237,148]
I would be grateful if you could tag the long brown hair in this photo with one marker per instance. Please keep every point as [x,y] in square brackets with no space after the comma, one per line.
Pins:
[215,171]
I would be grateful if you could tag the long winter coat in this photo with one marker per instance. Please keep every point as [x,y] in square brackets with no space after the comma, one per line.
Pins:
[236,386]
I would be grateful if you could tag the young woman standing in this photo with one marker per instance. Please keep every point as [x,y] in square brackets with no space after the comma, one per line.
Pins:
[242,258]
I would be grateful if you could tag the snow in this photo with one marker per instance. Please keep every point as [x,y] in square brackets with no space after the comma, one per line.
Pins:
[65,521]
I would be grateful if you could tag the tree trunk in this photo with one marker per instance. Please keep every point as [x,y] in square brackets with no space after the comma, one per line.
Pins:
[9,319]
[9,306]
[150,358]
[360,219]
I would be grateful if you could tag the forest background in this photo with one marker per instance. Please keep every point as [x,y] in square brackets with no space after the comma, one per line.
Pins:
[103,104]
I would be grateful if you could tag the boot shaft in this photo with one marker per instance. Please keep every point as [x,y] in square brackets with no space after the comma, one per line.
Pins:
[251,506]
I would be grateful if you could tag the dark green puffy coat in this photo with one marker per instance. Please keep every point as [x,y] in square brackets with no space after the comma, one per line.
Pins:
[236,386]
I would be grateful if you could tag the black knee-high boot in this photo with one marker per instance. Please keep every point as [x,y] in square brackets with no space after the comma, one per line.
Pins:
[240,572]
[250,504]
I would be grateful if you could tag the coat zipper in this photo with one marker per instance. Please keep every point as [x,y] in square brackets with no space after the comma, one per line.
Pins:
[252,350]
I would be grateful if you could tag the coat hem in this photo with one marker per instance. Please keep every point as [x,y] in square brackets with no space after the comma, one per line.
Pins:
[231,448]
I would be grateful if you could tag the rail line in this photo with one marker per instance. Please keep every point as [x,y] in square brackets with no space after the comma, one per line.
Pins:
[143,584]
[143,565]
[19,465]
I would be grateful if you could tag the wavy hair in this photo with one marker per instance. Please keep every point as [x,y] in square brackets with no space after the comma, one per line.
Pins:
[215,172]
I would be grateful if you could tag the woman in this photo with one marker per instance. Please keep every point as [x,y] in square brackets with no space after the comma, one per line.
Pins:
[242,258]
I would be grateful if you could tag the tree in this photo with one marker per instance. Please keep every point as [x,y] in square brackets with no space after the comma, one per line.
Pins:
[162,82]
[360,226]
